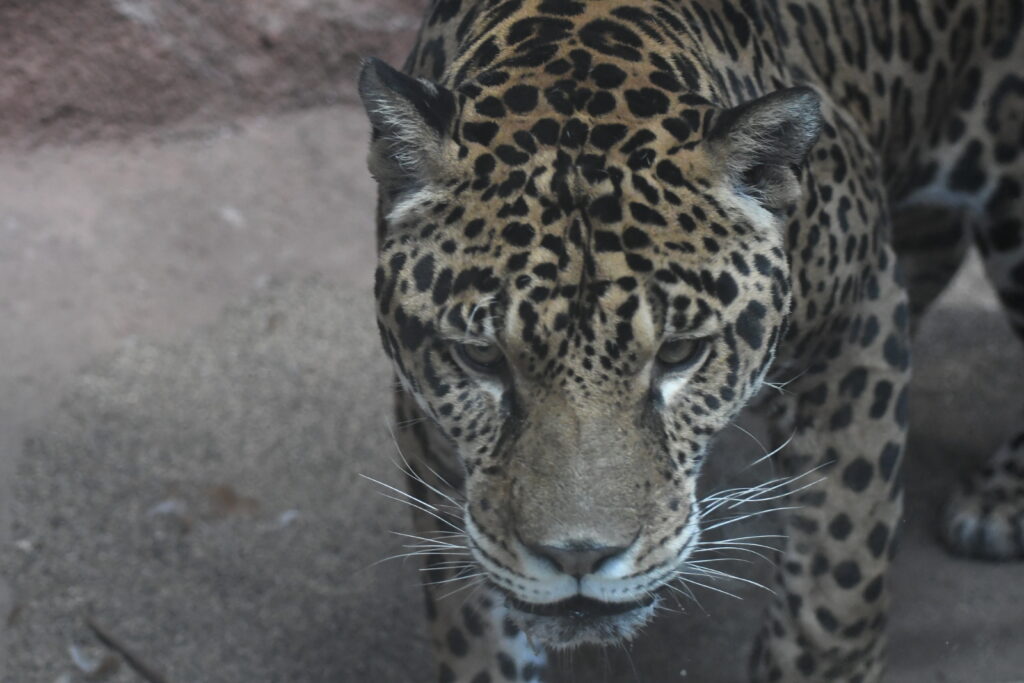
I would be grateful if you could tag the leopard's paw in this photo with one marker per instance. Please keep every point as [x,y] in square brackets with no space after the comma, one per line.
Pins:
[984,518]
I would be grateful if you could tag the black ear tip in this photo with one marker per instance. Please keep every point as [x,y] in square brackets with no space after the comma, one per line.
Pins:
[373,71]
[380,67]
[367,74]
[378,75]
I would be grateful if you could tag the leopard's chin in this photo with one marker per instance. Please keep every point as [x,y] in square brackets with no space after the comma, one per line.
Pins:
[581,621]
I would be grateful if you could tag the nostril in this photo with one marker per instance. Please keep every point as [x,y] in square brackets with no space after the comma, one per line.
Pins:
[577,559]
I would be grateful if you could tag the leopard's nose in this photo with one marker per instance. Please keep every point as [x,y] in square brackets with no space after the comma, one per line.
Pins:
[577,558]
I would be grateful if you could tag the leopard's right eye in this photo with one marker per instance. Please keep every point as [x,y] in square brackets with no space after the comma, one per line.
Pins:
[482,357]
[679,354]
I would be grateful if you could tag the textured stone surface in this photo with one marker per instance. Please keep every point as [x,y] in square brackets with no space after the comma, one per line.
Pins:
[201,502]
[73,70]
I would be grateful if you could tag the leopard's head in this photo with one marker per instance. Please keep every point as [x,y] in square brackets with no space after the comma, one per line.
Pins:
[580,298]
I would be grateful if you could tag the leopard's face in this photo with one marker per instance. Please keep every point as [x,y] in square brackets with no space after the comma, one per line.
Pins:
[580,308]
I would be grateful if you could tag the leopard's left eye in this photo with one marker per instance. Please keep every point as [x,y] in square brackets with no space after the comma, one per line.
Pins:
[482,357]
[680,354]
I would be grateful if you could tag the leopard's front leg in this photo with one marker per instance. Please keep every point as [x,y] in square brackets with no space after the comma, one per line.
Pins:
[473,639]
[847,417]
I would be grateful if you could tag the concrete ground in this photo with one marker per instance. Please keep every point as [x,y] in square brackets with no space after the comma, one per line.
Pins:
[191,384]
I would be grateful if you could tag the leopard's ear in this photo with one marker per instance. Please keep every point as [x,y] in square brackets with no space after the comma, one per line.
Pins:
[410,119]
[759,142]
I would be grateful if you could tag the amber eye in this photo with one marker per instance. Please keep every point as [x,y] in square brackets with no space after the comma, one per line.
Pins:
[680,354]
[481,356]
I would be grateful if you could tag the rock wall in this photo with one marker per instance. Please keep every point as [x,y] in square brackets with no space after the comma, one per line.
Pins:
[74,70]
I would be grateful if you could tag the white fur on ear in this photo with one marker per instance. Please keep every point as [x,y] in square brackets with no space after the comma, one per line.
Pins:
[410,119]
[760,141]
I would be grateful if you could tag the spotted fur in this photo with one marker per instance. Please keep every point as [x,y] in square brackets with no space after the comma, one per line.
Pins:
[604,225]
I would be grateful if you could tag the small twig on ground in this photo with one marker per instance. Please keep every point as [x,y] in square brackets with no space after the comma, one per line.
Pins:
[137,665]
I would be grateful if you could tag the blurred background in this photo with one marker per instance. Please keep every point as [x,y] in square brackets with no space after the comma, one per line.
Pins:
[190,380]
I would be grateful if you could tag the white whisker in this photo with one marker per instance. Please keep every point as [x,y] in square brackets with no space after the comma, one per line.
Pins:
[400,492]
[453,579]
[476,582]
[685,591]
[420,553]
[744,538]
[712,588]
[714,573]
[421,509]
[740,518]
[756,440]
[770,454]
[449,565]
[432,541]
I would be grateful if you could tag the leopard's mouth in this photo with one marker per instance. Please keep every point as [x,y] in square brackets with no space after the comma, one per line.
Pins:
[580,607]
[579,620]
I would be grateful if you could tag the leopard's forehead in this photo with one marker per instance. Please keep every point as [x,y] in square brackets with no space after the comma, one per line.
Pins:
[574,259]
[601,94]
[530,164]
[597,115]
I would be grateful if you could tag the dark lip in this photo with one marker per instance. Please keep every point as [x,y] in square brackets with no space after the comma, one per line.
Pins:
[579,607]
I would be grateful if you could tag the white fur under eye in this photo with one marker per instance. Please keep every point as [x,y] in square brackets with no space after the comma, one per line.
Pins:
[670,386]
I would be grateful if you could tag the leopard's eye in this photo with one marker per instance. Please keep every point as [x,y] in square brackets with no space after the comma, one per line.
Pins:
[680,354]
[480,356]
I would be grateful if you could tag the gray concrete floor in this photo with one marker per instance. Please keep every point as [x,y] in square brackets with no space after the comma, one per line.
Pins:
[185,474]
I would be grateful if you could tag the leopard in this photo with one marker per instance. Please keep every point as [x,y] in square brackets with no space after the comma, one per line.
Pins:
[605,227]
